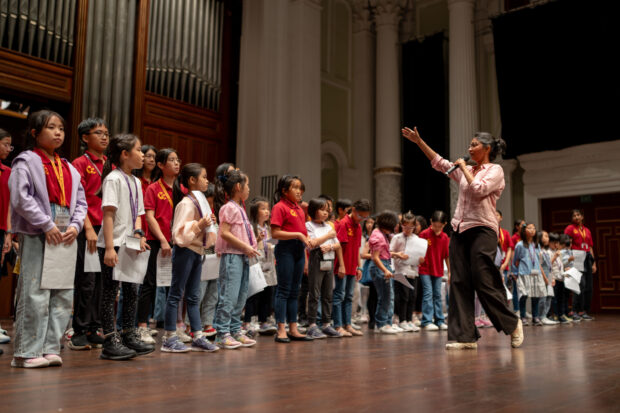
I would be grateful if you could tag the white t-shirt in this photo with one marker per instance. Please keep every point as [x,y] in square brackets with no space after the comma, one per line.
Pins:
[399,244]
[317,231]
[115,193]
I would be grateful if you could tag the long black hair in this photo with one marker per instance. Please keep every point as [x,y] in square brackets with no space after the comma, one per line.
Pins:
[220,195]
[161,157]
[254,208]
[189,170]
[37,121]
[284,184]
[119,143]
[524,238]
[226,187]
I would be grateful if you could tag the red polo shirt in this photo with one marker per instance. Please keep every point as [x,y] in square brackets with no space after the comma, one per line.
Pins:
[53,185]
[145,184]
[289,217]
[581,236]
[436,252]
[90,176]
[159,199]
[5,172]
[350,237]
[505,241]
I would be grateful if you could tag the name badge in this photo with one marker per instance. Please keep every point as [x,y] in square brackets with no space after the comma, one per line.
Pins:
[585,246]
[133,243]
[326,265]
[62,220]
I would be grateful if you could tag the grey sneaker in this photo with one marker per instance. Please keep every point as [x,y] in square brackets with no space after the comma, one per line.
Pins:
[172,344]
[331,332]
[202,344]
[315,332]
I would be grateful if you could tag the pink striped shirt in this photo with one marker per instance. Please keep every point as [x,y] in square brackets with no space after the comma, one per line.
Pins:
[476,204]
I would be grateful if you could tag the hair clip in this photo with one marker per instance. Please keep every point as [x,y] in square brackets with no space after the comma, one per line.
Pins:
[222,178]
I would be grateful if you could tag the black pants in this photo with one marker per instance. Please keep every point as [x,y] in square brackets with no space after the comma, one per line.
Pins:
[302,313]
[148,290]
[321,286]
[561,294]
[417,286]
[259,304]
[372,305]
[582,302]
[472,257]
[87,292]
[404,300]
[108,298]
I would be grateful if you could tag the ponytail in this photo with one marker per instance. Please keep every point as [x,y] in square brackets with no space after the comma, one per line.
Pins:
[188,171]
[118,144]
[219,199]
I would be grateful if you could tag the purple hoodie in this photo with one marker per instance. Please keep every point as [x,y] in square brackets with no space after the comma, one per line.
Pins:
[31,212]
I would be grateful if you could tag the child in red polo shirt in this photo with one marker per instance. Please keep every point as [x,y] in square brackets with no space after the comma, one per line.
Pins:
[350,238]
[431,272]
[48,208]
[158,211]
[5,173]
[288,225]
[94,136]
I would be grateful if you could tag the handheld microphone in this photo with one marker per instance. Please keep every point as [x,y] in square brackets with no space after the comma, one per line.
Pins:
[455,167]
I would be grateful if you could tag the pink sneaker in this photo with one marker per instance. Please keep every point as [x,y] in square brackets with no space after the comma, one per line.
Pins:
[54,359]
[479,323]
[30,363]
[486,322]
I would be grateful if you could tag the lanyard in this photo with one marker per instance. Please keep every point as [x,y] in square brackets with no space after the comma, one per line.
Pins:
[532,253]
[248,228]
[204,236]
[134,203]
[60,179]
[92,163]
[166,192]
[583,233]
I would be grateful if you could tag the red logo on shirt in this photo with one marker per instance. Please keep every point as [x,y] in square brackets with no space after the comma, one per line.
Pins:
[293,213]
[429,242]
[161,196]
[90,170]
[350,232]
[575,232]
[47,172]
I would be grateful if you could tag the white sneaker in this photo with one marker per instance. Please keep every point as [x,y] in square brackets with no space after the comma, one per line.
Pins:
[183,337]
[356,326]
[4,338]
[145,335]
[387,329]
[430,327]
[397,328]
[405,326]
[547,322]
[443,326]
[414,328]
[417,323]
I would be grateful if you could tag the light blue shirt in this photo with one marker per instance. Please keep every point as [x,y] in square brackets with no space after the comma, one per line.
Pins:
[527,257]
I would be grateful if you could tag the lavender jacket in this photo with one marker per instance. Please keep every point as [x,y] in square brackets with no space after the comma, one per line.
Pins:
[30,207]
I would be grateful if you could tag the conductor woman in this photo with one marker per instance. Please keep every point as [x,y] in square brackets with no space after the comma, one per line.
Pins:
[474,242]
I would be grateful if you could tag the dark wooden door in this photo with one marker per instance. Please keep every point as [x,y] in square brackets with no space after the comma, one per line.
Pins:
[602,216]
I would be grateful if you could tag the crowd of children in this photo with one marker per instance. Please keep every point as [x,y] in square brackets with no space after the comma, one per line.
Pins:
[134,219]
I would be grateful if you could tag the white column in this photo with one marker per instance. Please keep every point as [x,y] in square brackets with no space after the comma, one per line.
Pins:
[388,170]
[363,115]
[463,101]
[305,92]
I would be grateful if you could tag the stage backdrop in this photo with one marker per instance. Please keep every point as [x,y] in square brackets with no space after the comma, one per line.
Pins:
[558,74]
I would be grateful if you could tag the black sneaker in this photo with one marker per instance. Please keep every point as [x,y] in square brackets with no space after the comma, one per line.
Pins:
[113,349]
[95,340]
[586,317]
[79,342]
[132,340]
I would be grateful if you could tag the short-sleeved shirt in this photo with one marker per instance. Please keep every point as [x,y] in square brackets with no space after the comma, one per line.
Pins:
[316,230]
[379,241]
[52,182]
[350,238]
[5,172]
[233,214]
[505,242]
[581,237]
[116,193]
[90,168]
[289,217]
[436,253]
[158,198]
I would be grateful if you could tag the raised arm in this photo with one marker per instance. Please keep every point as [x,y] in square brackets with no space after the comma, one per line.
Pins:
[414,136]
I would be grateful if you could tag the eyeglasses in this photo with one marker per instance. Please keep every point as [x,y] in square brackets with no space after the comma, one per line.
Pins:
[9,147]
[175,160]
[100,133]
[149,156]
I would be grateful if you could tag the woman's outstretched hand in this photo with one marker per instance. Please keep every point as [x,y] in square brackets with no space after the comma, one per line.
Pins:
[412,135]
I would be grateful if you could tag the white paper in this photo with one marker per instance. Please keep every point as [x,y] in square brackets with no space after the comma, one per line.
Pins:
[580,258]
[257,281]
[210,267]
[131,266]
[205,208]
[59,266]
[508,293]
[164,270]
[91,261]
[573,273]
[133,243]
[415,250]
[572,284]
[403,280]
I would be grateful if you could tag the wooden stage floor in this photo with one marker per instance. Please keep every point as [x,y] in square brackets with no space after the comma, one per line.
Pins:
[559,368]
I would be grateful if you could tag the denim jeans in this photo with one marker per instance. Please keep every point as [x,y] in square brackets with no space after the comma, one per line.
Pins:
[431,300]
[523,302]
[233,291]
[208,289]
[290,260]
[342,306]
[161,295]
[41,315]
[385,295]
[186,271]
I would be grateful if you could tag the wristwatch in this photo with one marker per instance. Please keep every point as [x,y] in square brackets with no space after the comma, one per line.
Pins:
[139,232]
[360,269]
